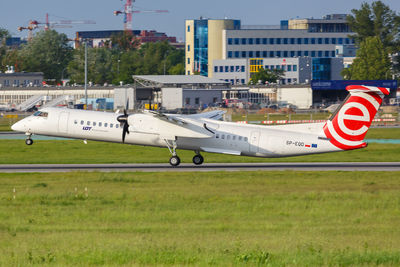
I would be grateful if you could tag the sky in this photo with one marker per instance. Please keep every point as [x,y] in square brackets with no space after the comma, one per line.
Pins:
[17,13]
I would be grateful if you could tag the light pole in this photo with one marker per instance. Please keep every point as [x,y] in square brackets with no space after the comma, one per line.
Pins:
[86,96]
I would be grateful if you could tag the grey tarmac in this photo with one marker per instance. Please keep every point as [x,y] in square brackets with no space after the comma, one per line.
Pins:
[207,167]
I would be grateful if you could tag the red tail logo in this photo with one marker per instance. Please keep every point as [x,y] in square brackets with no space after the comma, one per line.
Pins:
[348,128]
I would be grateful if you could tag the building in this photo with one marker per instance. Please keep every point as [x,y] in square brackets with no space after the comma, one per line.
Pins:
[171,92]
[101,38]
[209,40]
[297,70]
[21,79]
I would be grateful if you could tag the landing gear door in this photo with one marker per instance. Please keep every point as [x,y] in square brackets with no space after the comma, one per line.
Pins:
[63,122]
[254,141]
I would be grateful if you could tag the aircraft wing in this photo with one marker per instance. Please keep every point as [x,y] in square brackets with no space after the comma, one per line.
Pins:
[214,115]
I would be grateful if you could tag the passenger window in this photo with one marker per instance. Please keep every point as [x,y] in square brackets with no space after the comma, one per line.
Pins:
[82,122]
[111,125]
[223,136]
[94,123]
[75,122]
[88,123]
[105,124]
[245,139]
[240,138]
[100,124]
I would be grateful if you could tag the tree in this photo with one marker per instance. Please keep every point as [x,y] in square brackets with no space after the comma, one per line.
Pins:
[377,20]
[124,41]
[48,52]
[267,75]
[372,61]
[3,49]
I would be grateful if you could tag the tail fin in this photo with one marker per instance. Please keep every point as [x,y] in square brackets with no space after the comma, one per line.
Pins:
[349,124]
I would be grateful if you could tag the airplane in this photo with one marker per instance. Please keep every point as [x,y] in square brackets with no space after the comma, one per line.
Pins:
[204,132]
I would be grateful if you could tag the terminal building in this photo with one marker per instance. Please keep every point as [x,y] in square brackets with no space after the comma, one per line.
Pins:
[209,41]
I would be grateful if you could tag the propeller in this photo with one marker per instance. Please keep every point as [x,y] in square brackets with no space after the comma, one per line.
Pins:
[123,119]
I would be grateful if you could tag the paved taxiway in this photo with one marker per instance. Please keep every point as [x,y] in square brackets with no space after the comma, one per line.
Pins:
[207,167]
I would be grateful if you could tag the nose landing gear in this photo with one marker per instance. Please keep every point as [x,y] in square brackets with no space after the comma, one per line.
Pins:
[28,140]
[174,160]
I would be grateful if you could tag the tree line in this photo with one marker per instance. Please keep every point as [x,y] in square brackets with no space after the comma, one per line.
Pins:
[50,52]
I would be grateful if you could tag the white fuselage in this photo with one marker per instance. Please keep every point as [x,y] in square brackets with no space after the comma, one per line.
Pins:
[227,137]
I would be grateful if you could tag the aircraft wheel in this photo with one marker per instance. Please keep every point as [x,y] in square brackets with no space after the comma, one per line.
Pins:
[28,141]
[174,161]
[198,159]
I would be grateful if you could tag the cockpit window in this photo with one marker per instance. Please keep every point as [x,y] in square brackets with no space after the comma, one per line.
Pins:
[41,114]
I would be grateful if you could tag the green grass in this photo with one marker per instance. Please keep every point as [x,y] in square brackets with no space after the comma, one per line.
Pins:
[15,151]
[218,218]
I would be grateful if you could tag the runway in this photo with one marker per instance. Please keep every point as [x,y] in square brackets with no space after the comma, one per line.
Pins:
[207,167]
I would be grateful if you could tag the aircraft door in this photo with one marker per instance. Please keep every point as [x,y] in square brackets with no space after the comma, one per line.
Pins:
[254,141]
[63,122]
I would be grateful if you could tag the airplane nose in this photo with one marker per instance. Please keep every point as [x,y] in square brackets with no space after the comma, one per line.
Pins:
[18,126]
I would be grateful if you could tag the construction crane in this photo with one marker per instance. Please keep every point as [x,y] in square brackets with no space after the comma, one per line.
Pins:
[34,24]
[128,11]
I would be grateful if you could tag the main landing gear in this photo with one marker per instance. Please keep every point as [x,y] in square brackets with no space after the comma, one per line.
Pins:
[175,160]
[28,140]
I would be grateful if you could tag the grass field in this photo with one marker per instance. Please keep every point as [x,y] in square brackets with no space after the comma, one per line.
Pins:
[220,219]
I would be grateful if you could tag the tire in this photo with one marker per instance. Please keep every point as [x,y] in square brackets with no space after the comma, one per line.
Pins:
[174,161]
[29,141]
[198,159]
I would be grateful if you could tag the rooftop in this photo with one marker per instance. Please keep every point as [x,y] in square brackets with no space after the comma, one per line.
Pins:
[178,80]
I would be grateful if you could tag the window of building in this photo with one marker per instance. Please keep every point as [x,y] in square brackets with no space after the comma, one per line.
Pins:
[242,68]
[117,125]
[251,54]
[272,67]
[326,53]
[236,40]
[285,40]
[251,41]
[278,53]
[306,53]
[229,54]
[243,81]
[244,41]
[188,72]
[319,53]
[197,101]
[312,53]
[319,40]
[234,137]
[217,136]
[326,40]
[188,47]
[312,40]
[257,53]
[299,40]
[294,67]
[258,40]
[292,53]
[237,68]
[232,69]
[230,41]
[278,40]
[265,54]
[215,99]
[187,101]
[222,136]
[265,40]
[278,67]
[226,68]
[305,40]
[266,67]
[271,41]
[347,40]
[333,40]
[299,53]
[236,54]
[285,53]
[271,54]
[188,28]
[340,40]
[216,69]
[243,54]
[188,60]
[283,67]
[292,40]
[232,82]
[332,53]
[289,67]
